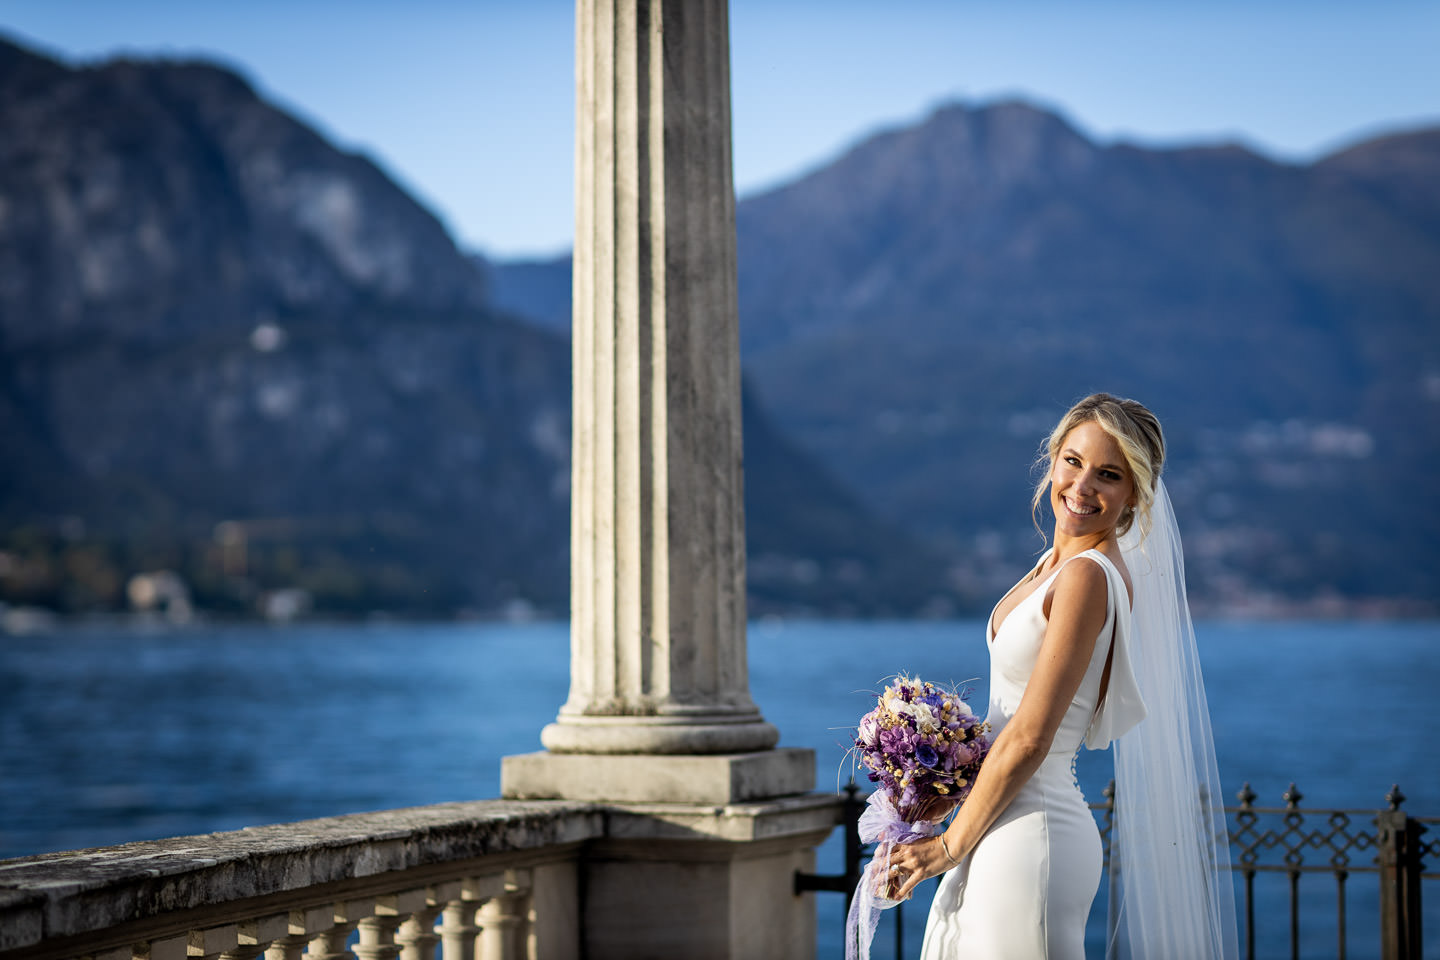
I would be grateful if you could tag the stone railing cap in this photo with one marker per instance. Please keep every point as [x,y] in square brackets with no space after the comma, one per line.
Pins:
[81,891]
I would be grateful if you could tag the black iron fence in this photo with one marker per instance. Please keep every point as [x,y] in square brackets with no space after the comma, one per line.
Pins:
[1288,841]
[1294,843]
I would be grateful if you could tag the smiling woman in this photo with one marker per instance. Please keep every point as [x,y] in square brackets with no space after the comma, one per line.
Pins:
[1128,448]
[1071,664]
[1091,490]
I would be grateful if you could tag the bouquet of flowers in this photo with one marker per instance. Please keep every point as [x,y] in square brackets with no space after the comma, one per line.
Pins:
[923,746]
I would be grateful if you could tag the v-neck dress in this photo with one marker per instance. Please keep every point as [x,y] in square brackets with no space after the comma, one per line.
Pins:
[1025,891]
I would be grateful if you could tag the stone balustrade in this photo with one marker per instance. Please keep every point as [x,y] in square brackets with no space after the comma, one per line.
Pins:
[483,880]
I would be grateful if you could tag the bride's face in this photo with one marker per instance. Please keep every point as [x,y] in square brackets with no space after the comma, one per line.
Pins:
[1090,483]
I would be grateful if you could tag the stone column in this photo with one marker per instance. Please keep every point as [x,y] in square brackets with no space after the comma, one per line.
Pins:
[708,821]
[658,551]
[658,661]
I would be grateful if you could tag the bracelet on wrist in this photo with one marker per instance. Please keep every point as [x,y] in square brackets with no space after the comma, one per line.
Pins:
[944,846]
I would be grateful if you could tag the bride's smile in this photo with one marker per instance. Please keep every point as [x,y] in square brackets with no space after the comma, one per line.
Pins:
[1090,485]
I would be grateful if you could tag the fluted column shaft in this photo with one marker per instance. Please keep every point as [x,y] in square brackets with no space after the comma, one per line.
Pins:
[658,660]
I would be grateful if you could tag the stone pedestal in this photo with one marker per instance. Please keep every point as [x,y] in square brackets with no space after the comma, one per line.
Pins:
[671,880]
[637,778]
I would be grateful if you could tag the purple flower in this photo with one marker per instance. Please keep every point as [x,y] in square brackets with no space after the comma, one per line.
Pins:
[892,740]
[918,751]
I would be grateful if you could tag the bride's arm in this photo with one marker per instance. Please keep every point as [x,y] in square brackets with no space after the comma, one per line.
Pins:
[1077,613]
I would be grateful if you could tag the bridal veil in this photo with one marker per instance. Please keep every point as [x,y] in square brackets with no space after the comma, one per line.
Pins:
[1171,893]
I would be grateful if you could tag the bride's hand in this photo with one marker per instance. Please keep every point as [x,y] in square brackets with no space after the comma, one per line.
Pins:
[934,809]
[911,863]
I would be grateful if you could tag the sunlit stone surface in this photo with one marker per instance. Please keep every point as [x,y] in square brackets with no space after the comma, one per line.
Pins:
[658,553]
[708,824]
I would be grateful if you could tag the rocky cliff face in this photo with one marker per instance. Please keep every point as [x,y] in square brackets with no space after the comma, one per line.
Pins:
[145,201]
[920,311]
[229,349]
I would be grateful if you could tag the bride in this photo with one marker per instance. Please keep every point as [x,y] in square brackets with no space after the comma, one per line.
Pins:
[1070,663]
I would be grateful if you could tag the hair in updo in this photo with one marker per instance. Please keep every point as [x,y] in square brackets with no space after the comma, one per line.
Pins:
[1137,432]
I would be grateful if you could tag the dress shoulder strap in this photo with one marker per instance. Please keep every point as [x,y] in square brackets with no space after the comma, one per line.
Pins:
[1122,706]
[1112,579]
[1104,561]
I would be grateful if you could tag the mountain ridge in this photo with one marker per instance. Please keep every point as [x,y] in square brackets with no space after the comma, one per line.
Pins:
[230,350]
[957,283]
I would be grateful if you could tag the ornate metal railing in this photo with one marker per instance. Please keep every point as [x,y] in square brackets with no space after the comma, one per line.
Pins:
[1289,841]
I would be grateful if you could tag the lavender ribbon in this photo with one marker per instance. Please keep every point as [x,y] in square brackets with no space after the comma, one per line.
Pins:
[880,823]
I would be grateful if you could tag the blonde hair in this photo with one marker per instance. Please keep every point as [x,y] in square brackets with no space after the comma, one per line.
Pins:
[1137,432]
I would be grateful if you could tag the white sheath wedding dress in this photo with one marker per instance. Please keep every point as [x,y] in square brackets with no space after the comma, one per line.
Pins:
[1025,891]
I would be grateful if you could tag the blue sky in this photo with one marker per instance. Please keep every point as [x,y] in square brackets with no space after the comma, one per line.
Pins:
[469,103]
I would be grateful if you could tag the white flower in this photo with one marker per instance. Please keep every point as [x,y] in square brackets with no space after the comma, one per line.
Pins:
[869,730]
[925,717]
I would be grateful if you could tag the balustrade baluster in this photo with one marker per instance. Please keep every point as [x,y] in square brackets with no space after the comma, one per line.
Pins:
[503,934]
[377,933]
[504,920]
[289,947]
[521,885]
[417,936]
[333,943]
[300,928]
[377,938]
[458,930]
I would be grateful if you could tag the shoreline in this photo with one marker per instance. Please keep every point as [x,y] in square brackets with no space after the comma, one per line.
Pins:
[22,621]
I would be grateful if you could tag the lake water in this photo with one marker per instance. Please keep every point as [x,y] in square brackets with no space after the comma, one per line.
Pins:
[113,734]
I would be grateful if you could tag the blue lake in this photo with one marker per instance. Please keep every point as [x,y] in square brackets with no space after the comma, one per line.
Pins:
[114,734]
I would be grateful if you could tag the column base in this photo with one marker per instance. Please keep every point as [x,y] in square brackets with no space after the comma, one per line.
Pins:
[637,778]
[659,734]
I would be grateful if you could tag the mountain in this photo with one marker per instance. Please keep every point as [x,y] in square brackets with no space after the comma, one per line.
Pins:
[920,311]
[149,200]
[230,350]
[1399,170]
